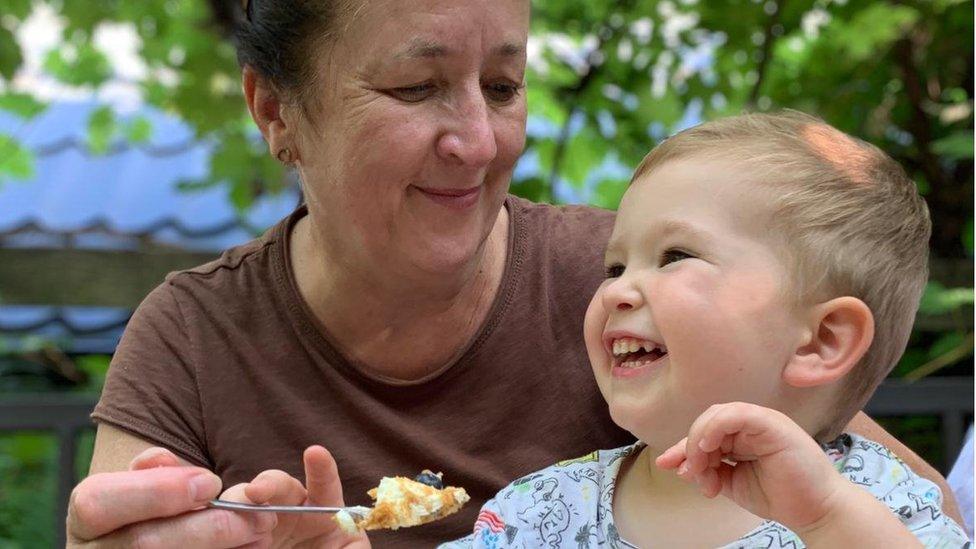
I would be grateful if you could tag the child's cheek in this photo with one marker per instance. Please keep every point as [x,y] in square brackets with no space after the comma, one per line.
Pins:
[594,323]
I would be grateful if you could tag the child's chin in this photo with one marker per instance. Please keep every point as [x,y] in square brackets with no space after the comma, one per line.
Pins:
[649,424]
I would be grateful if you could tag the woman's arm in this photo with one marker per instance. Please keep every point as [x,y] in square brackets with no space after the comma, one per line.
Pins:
[868,428]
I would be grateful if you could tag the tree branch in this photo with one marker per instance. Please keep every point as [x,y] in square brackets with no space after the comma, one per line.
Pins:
[767,52]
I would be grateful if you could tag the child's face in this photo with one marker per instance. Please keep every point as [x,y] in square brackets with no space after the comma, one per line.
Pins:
[695,278]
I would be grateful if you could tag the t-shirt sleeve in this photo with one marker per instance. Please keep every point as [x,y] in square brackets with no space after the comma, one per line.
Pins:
[490,529]
[917,501]
[151,390]
[921,512]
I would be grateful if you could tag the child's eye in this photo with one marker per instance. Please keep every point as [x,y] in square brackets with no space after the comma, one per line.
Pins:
[671,255]
[615,271]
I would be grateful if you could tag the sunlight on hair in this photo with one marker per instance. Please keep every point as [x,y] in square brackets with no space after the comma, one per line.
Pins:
[839,150]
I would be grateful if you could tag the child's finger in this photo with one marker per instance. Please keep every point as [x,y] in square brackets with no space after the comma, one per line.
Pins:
[731,420]
[322,477]
[725,473]
[709,483]
[697,460]
[672,457]
[714,459]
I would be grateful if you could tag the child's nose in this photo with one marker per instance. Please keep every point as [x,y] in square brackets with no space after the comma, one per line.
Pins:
[620,295]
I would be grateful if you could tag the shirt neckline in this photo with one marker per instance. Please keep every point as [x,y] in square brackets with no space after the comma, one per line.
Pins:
[313,332]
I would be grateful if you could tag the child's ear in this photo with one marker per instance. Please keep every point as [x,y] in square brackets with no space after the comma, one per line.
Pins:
[840,334]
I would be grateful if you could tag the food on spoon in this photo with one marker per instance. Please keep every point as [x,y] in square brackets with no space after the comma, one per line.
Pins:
[401,502]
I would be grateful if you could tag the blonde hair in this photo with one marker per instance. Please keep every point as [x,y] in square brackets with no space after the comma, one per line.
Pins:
[850,216]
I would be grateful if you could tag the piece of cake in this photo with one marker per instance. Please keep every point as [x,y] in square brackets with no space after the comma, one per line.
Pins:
[401,502]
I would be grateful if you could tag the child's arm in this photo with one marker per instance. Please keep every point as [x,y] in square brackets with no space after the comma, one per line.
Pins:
[781,474]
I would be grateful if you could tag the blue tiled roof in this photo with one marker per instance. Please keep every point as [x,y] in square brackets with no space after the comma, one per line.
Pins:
[130,192]
[115,201]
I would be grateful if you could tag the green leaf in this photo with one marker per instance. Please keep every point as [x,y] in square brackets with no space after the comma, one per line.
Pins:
[21,104]
[957,145]
[102,127]
[608,192]
[584,152]
[16,162]
[19,9]
[87,66]
[937,299]
[138,130]
[946,343]
[10,55]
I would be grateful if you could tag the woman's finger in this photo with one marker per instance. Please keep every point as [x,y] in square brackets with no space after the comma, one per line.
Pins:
[154,457]
[276,487]
[212,528]
[106,502]
[322,477]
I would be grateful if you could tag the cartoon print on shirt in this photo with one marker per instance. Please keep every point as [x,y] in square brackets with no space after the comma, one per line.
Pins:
[556,507]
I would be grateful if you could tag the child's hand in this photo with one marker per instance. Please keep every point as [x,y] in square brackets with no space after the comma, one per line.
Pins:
[305,529]
[780,473]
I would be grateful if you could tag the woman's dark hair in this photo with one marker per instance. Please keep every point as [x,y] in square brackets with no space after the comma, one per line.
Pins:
[279,38]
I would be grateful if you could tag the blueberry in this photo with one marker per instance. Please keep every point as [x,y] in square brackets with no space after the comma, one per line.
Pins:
[430,479]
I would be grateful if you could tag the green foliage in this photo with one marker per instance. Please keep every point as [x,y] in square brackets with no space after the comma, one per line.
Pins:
[10,54]
[78,64]
[27,493]
[938,299]
[102,126]
[21,104]
[957,145]
[138,130]
[15,161]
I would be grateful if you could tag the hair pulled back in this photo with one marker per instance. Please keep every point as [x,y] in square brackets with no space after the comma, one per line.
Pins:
[280,40]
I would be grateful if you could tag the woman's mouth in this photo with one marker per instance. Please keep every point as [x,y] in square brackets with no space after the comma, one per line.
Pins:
[457,199]
[632,357]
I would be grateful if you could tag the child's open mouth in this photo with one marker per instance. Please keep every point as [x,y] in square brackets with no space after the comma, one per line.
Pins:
[630,353]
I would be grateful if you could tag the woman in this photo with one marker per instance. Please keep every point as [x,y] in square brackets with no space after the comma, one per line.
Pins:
[412,317]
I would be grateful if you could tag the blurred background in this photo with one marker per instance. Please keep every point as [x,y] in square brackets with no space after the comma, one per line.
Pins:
[126,152]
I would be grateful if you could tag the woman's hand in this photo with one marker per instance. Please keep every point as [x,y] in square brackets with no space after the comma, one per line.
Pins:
[158,502]
[301,529]
[780,472]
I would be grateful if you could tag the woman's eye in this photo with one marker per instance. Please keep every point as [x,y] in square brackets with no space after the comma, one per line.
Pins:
[413,94]
[615,271]
[502,92]
[671,255]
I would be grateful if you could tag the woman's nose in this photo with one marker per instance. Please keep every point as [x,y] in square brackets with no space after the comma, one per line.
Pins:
[621,295]
[469,138]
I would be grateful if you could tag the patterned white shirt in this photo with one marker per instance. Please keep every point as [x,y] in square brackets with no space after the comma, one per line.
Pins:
[570,503]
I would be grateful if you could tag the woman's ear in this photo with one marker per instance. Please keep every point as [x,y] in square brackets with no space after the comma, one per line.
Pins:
[267,111]
[841,331]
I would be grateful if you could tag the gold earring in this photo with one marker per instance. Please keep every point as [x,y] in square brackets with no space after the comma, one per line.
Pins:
[284,156]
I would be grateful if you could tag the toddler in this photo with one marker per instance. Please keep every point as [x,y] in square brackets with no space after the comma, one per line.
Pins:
[762,280]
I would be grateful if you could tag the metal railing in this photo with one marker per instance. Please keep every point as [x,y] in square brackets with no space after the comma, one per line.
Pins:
[66,415]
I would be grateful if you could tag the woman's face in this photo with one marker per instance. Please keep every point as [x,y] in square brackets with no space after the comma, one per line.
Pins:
[420,120]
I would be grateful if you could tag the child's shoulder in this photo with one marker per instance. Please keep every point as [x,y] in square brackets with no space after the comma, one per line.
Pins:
[570,475]
[916,500]
[872,465]
[566,502]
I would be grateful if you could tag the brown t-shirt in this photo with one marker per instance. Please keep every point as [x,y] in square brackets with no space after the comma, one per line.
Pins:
[225,365]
